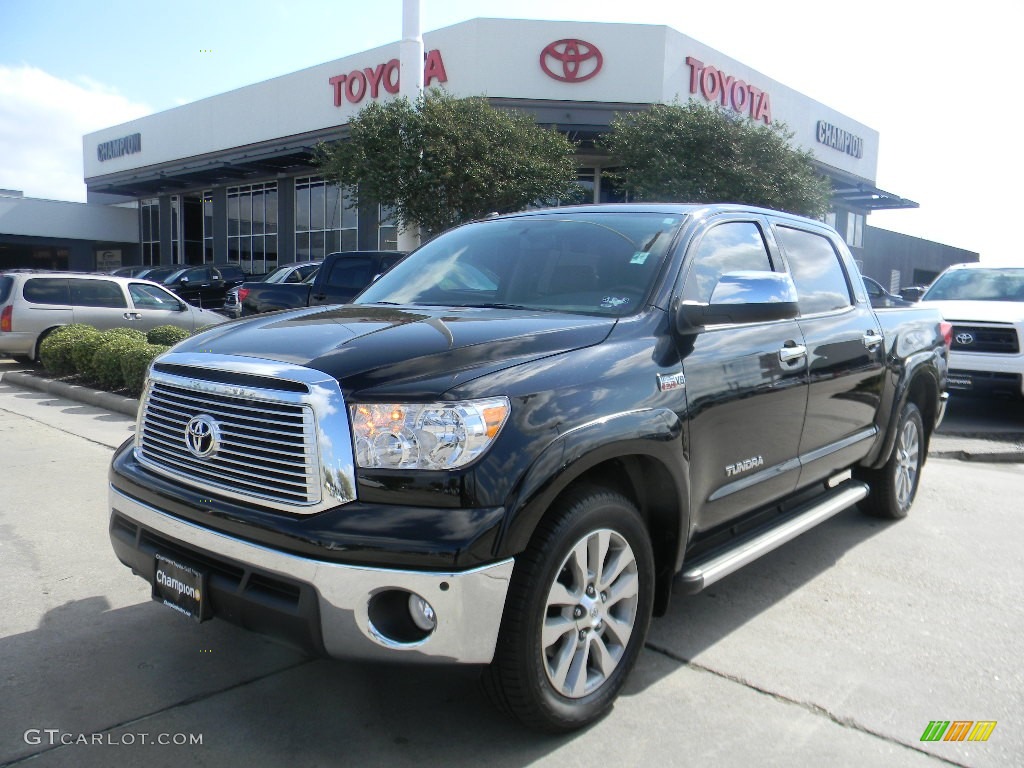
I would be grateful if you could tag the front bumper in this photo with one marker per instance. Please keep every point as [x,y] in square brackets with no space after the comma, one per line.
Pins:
[986,374]
[326,608]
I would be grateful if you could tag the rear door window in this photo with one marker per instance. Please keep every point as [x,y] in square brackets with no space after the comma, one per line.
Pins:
[47,290]
[817,272]
[97,293]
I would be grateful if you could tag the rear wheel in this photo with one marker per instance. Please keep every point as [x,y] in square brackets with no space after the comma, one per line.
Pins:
[894,486]
[577,613]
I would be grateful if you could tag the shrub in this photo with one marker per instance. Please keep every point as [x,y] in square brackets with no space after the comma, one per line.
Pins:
[135,364]
[56,352]
[104,367]
[167,335]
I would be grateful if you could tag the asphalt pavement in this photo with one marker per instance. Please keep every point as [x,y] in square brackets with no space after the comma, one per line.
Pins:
[838,649]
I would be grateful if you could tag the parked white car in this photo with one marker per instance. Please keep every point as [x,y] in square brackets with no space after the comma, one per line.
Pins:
[985,305]
[32,304]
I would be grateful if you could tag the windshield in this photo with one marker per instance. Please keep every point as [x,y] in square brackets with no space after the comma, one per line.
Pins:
[978,285]
[592,263]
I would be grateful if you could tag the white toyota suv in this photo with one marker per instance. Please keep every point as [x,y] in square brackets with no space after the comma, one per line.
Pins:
[985,305]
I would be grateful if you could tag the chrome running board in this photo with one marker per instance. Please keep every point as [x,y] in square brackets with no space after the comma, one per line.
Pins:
[704,573]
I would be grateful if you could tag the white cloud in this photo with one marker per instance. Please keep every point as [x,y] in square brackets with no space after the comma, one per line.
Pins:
[42,121]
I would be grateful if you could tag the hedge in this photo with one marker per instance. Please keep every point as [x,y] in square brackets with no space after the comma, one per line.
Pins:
[135,365]
[57,350]
[115,359]
[167,335]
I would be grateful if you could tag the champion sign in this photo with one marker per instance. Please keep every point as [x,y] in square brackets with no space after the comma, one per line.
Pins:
[127,145]
[839,139]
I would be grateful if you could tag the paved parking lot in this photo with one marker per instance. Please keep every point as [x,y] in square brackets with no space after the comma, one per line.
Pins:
[837,649]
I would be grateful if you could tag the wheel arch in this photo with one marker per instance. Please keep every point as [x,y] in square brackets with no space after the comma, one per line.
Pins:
[921,387]
[649,470]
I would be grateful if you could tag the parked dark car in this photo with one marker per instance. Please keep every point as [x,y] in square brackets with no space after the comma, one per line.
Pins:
[298,272]
[136,270]
[881,298]
[204,285]
[341,276]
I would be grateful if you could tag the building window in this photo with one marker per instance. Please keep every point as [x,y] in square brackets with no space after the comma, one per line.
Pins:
[387,232]
[252,227]
[149,230]
[854,229]
[207,225]
[325,219]
[830,219]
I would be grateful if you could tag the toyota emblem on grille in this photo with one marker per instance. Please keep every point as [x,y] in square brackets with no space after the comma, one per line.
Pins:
[202,436]
[965,338]
[571,61]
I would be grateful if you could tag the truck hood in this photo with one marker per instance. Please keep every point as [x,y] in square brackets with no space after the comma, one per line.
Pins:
[979,311]
[412,351]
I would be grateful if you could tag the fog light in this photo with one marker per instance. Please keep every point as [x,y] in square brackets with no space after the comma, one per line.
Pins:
[422,613]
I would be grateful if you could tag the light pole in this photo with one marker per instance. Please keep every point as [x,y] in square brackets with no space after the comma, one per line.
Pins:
[410,85]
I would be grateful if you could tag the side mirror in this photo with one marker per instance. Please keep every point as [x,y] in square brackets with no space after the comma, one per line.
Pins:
[183,280]
[742,297]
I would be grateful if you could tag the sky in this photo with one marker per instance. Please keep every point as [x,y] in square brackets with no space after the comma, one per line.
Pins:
[940,81]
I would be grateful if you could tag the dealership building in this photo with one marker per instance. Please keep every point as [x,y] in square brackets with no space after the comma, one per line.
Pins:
[231,177]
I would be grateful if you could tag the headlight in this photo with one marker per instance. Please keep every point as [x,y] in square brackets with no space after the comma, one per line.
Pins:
[425,436]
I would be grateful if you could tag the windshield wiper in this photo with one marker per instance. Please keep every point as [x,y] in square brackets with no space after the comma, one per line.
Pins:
[494,305]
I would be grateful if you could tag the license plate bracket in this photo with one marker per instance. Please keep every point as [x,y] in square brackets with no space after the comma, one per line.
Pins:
[181,585]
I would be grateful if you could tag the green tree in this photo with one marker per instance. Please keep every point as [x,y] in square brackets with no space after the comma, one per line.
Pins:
[696,153]
[445,160]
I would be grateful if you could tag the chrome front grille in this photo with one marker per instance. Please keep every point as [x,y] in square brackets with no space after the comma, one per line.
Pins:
[265,449]
[265,443]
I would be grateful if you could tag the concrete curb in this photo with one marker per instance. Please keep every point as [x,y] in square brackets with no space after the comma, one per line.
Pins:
[98,398]
[1006,457]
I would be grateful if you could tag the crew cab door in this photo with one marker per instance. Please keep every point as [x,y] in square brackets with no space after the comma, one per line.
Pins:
[844,350]
[746,385]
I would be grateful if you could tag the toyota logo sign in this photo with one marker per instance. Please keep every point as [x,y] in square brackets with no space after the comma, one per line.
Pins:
[202,436]
[571,60]
[964,339]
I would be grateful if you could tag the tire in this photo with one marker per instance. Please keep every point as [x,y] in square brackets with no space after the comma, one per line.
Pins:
[894,486]
[570,635]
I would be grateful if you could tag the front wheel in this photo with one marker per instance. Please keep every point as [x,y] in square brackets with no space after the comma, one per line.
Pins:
[894,486]
[577,613]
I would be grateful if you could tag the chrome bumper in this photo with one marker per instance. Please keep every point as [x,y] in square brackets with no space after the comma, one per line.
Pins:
[467,605]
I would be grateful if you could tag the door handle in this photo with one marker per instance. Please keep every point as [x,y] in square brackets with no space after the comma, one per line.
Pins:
[790,353]
[132,316]
[871,338]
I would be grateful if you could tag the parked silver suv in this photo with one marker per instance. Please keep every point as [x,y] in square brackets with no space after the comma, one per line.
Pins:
[34,303]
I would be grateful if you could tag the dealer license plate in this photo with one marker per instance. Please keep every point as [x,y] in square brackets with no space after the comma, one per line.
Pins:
[959,382]
[180,586]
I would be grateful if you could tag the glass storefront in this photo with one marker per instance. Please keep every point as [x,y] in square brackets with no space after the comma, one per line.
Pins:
[325,219]
[252,227]
[149,230]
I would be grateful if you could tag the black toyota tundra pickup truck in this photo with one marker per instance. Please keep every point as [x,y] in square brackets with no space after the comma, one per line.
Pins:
[514,446]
